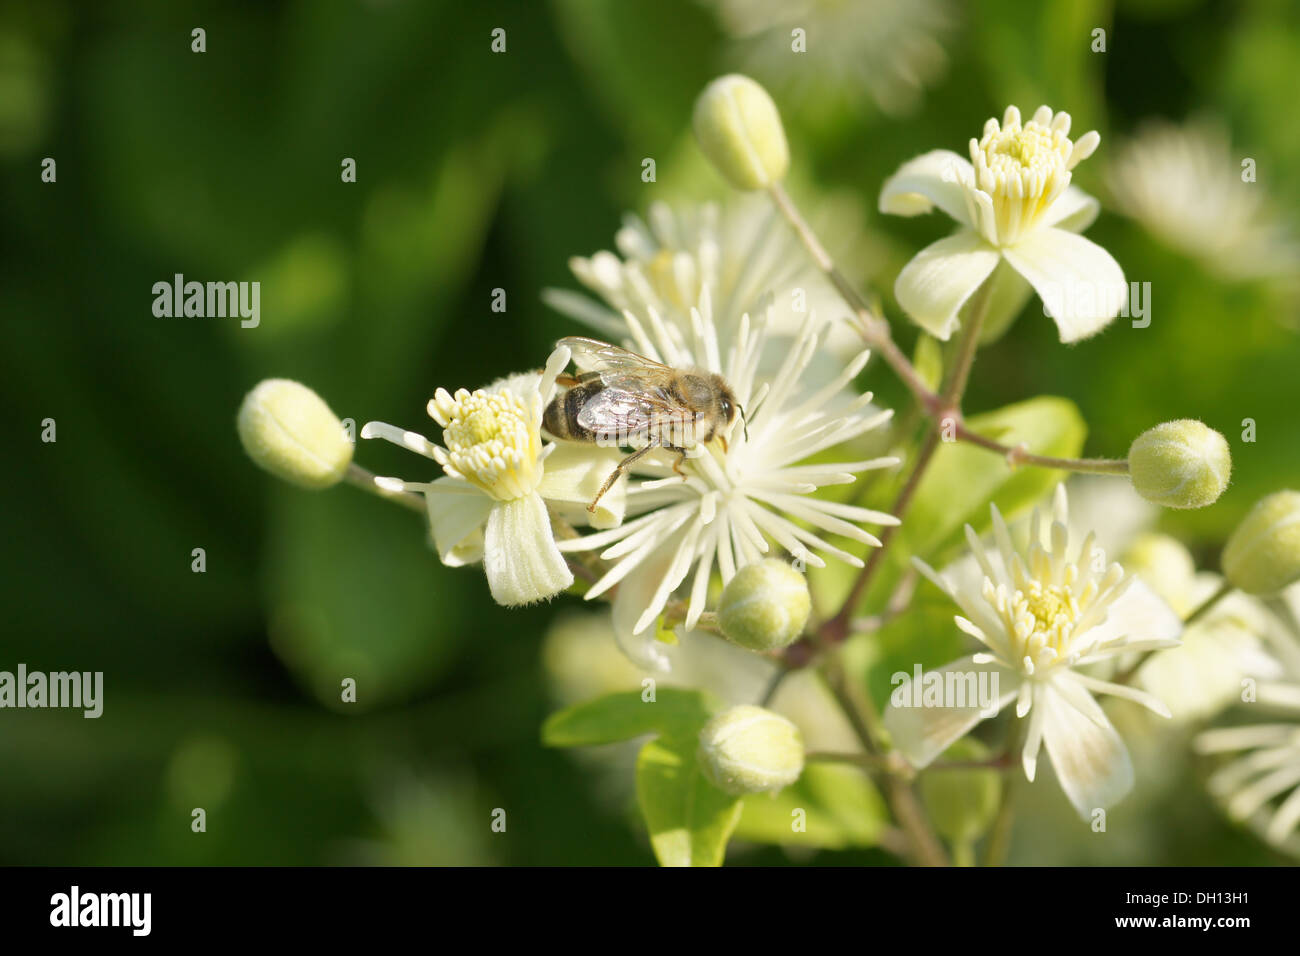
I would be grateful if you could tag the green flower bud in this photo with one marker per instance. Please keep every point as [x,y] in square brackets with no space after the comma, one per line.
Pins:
[1263,555]
[1182,464]
[748,750]
[962,803]
[287,429]
[739,130]
[765,606]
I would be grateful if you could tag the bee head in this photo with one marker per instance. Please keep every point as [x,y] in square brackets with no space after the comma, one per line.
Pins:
[731,410]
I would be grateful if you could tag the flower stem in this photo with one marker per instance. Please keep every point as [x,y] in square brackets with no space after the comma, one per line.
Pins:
[999,842]
[837,628]
[365,480]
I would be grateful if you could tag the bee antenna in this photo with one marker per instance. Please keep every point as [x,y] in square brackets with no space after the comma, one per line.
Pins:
[744,420]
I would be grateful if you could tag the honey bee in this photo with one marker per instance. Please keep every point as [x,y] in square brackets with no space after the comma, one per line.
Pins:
[622,399]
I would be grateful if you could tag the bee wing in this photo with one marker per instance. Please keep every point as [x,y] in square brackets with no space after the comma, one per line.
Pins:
[614,364]
[632,411]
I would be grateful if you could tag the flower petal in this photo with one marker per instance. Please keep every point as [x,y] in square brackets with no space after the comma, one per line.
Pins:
[457,512]
[1139,614]
[922,733]
[574,473]
[932,179]
[523,564]
[1074,210]
[1081,285]
[942,276]
[1089,758]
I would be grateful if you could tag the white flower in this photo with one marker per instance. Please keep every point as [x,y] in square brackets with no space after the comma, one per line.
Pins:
[1018,215]
[884,50]
[1185,185]
[734,504]
[1044,615]
[490,507]
[1260,785]
[743,252]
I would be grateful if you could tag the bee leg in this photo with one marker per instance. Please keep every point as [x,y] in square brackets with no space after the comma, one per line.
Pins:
[613,475]
[568,381]
[681,457]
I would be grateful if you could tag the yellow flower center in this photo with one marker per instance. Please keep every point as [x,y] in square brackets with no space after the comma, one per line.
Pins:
[1025,169]
[1042,616]
[492,441]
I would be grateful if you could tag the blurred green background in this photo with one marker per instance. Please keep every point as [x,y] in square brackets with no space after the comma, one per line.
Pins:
[476,171]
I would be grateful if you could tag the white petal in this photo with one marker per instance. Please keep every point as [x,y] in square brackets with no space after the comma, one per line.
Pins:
[1074,210]
[1087,754]
[523,564]
[932,287]
[1138,614]
[932,179]
[1080,283]
[631,599]
[574,474]
[456,520]
[922,733]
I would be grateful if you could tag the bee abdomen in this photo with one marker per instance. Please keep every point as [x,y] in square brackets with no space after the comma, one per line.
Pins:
[561,415]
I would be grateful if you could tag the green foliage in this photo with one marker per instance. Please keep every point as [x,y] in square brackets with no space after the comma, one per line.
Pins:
[623,716]
[689,819]
[834,806]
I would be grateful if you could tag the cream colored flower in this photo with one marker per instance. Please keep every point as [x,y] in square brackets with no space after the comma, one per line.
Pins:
[1044,615]
[1184,184]
[741,250]
[492,504]
[1020,216]
[736,504]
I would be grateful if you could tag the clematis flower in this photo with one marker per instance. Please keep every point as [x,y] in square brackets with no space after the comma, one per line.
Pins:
[736,503]
[1044,618]
[491,506]
[1259,784]
[741,250]
[1019,219]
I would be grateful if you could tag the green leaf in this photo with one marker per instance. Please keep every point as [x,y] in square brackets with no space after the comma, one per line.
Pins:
[622,716]
[841,808]
[689,819]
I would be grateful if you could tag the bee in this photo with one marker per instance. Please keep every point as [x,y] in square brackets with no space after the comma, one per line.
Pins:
[622,399]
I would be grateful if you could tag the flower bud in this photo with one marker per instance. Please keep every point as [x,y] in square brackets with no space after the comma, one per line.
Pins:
[739,130]
[765,606]
[287,429]
[962,802]
[1263,555]
[748,750]
[1182,464]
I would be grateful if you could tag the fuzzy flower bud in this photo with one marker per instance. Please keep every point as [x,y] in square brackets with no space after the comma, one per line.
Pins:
[962,803]
[748,750]
[288,430]
[765,606]
[1180,464]
[739,130]
[1263,555]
